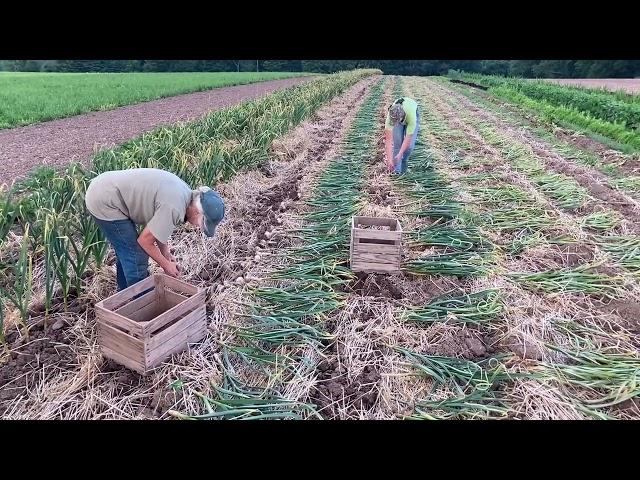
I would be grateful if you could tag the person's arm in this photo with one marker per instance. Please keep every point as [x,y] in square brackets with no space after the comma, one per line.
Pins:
[164,249]
[388,144]
[148,243]
[158,231]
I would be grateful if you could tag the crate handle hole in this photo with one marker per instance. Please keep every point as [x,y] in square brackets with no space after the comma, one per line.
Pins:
[377,241]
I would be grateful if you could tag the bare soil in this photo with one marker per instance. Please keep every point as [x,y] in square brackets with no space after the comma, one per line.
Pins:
[28,355]
[627,308]
[334,386]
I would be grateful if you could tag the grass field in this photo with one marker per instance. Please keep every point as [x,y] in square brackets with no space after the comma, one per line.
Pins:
[27,98]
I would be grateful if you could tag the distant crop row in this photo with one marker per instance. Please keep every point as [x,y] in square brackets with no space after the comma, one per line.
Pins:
[614,116]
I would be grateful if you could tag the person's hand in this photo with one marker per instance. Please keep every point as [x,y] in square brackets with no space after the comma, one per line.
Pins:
[172,269]
[388,162]
[397,158]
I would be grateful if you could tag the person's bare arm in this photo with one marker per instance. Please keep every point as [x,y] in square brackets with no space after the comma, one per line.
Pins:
[164,249]
[148,243]
[388,143]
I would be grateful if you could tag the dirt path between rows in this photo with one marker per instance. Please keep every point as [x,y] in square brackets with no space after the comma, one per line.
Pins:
[59,142]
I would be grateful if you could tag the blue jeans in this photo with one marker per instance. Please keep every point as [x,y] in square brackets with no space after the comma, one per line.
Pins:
[399,132]
[132,262]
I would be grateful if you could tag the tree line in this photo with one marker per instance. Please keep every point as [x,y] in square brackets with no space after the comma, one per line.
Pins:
[517,68]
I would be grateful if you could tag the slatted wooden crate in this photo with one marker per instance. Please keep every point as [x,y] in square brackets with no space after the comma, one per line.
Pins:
[375,251]
[140,333]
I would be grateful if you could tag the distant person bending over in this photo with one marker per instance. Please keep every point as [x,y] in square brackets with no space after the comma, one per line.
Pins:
[121,199]
[400,134]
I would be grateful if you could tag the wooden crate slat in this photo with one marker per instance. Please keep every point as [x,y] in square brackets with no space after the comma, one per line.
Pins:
[117,341]
[377,235]
[148,313]
[194,333]
[374,267]
[385,258]
[123,360]
[176,311]
[173,298]
[135,305]
[124,339]
[157,340]
[152,310]
[118,321]
[192,337]
[179,286]
[120,298]
[375,221]
[376,248]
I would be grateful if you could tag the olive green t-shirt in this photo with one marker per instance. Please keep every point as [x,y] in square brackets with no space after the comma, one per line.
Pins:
[147,196]
[410,107]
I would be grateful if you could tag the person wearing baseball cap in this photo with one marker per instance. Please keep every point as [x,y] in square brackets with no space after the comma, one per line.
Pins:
[400,134]
[121,199]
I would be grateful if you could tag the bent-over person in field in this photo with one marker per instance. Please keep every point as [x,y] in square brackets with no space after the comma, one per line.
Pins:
[119,200]
[401,131]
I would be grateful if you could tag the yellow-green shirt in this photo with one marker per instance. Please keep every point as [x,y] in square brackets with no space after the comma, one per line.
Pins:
[410,107]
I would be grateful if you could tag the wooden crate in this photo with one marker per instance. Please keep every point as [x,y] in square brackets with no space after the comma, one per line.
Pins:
[375,251]
[140,333]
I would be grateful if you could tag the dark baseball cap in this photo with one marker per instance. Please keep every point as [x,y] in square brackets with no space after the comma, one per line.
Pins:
[213,209]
